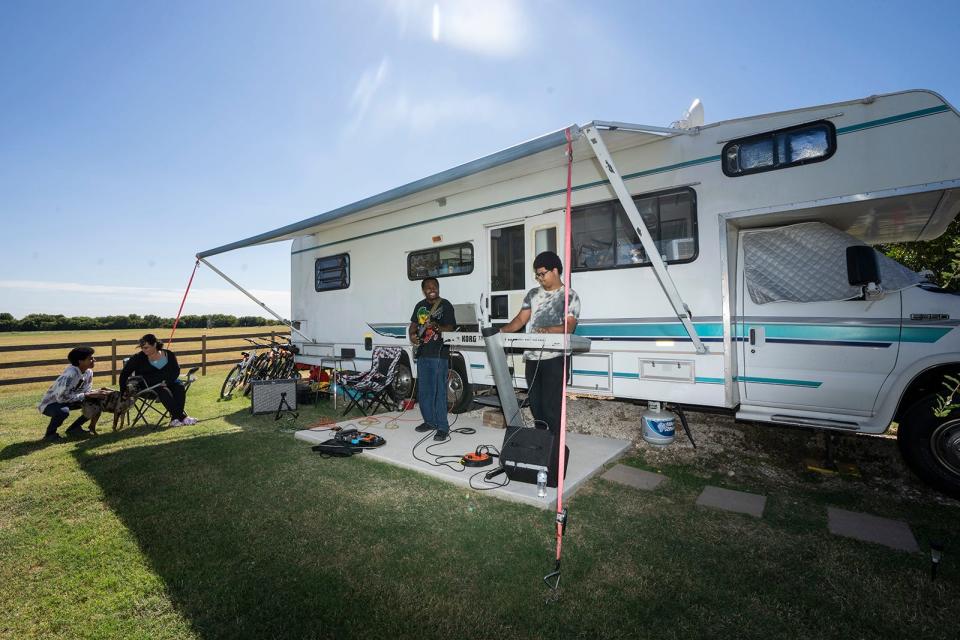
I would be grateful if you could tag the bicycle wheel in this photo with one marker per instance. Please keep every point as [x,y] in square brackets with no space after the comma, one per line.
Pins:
[258,371]
[230,382]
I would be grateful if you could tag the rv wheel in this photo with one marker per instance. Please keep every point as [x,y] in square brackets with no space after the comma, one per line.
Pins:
[931,445]
[459,391]
[402,385]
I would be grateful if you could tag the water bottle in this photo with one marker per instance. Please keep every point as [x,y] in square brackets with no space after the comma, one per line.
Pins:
[542,484]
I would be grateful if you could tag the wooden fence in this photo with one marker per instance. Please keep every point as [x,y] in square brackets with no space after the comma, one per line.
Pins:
[114,358]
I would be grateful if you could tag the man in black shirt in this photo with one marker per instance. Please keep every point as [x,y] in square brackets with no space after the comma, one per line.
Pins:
[431,316]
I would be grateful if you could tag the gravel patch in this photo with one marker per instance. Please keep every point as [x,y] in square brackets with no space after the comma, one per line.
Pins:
[752,452]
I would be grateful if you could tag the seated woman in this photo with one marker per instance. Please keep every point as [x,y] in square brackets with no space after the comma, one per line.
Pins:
[156,365]
[68,392]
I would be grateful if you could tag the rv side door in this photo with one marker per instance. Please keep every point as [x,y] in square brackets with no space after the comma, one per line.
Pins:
[831,356]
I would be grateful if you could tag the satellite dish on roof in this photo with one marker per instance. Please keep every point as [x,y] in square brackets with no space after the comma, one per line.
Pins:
[692,117]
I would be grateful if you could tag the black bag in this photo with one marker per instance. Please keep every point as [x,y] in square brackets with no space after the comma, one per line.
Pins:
[527,451]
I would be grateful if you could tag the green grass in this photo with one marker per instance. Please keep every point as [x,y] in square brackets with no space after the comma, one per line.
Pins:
[232,529]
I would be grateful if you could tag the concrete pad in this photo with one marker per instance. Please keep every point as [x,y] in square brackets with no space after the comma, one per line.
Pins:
[588,454]
[633,477]
[737,501]
[863,526]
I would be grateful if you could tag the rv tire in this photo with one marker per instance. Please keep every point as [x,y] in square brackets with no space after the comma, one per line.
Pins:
[402,387]
[930,445]
[459,391]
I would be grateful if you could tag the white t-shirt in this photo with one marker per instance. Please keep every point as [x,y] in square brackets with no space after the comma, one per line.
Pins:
[546,310]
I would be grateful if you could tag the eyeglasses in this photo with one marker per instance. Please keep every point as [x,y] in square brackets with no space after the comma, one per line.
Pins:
[540,275]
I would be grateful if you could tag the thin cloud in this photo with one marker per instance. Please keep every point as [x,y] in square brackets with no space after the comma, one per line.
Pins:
[367,86]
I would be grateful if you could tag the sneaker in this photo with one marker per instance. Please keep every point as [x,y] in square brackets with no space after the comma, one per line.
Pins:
[441,436]
[52,437]
[76,431]
[423,428]
[188,420]
[176,423]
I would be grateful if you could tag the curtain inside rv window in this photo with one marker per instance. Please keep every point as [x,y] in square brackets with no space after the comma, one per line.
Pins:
[779,149]
[603,237]
[507,263]
[807,262]
[453,260]
[332,272]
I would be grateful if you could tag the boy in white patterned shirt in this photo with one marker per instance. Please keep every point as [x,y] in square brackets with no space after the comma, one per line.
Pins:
[68,392]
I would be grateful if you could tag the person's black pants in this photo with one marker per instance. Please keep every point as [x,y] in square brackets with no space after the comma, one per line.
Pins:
[173,397]
[545,392]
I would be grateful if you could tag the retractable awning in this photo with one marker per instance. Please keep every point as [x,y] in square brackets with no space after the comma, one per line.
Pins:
[528,157]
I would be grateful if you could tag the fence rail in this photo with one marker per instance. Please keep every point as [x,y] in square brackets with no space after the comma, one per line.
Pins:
[113,358]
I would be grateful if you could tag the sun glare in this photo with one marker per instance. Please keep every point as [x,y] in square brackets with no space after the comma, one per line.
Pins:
[436,23]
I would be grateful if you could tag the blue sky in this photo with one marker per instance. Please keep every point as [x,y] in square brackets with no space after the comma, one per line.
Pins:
[134,134]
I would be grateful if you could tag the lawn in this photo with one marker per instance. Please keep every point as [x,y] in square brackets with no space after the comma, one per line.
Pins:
[232,529]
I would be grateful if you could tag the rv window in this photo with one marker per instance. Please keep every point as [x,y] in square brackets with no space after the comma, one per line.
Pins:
[603,237]
[332,272]
[779,149]
[508,267]
[545,240]
[452,260]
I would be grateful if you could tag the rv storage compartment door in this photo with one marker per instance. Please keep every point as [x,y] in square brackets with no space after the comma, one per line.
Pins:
[668,370]
[591,372]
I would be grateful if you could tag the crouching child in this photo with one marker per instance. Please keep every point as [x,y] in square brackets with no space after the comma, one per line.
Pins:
[68,392]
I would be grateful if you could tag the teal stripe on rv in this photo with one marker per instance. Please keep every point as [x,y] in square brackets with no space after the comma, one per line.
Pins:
[862,333]
[633,375]
[923,334]
[892,119]
[648,330]
[398,330]
[829,332]
[780,381]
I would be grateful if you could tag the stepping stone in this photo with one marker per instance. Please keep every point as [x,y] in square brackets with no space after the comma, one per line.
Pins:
[863,526]
[737,501]
[633,477]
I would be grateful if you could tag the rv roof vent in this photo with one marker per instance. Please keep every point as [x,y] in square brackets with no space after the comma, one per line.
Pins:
[691,118]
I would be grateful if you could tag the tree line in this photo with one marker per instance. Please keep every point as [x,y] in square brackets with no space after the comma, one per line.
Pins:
[940,256]
[59,322]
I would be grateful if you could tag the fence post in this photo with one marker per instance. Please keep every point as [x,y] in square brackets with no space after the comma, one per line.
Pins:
[203,355]
[272,333]
[113,362]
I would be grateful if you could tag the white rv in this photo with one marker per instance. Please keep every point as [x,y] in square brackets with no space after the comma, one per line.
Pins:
[739,292]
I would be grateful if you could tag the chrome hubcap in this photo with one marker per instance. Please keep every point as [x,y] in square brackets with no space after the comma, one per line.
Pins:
[945,444]
[454,388]
[402,382]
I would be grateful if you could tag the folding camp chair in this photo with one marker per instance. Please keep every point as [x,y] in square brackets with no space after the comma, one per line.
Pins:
[146,401]
[368,391]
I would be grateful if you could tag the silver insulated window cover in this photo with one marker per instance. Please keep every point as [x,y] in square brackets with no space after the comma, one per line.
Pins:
[807,262]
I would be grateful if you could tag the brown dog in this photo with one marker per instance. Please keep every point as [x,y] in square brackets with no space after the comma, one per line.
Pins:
[112,402]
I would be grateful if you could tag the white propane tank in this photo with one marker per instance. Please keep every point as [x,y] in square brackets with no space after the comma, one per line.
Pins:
[658,425]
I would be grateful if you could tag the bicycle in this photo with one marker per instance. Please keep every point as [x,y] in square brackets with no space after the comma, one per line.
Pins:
[240,374]
[276,364]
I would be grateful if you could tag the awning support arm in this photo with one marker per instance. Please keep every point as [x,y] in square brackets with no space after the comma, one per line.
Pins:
[653,253]
[255,299]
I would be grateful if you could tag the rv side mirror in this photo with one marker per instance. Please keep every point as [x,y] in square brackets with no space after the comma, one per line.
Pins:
[862,266]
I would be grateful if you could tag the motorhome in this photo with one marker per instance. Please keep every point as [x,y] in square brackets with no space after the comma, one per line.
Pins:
[723,265]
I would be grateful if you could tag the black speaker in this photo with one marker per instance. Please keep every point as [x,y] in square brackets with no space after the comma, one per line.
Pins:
[527,451]
[270,396]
